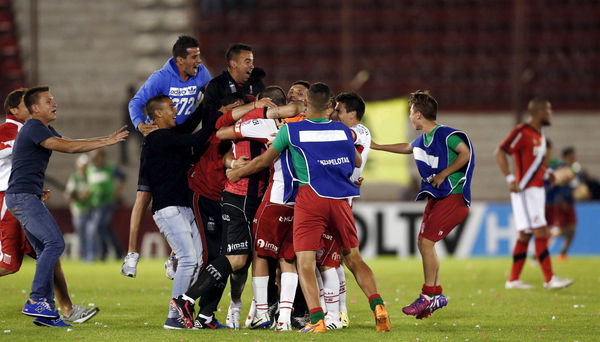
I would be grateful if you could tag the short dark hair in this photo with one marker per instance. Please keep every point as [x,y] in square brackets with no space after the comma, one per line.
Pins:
[152,104]
[275,93]
[31,96]
[353,102]
[423,102]
[319,96]
[182,44]
[234,50]
[567,151]
[303,83]
[13,99]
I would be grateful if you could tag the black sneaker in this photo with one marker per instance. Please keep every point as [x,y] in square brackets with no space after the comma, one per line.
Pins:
[201,323]
[175,324]
[185,309]
[298,322]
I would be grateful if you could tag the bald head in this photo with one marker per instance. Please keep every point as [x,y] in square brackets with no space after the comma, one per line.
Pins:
[540,110]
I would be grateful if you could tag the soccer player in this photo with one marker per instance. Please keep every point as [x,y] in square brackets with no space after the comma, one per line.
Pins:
[167,154]
[239,84]
[527,144]
[183,78]
[323,156]
[13,242]
[271,229]
[445,159]
[31,152]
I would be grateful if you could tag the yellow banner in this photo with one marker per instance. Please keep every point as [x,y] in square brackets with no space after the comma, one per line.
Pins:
[387,121]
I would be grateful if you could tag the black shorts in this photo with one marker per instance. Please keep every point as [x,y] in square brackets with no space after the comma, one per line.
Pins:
[208,217]
[238,214]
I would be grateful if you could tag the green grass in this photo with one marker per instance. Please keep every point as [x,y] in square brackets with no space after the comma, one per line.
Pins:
[480,309]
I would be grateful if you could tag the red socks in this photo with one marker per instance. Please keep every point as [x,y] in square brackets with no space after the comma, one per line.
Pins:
[543,256]
[519,257]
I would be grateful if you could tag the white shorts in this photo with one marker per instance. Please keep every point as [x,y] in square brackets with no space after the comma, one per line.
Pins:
[529,208]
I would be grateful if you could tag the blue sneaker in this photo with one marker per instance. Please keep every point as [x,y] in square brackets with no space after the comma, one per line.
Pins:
[175,324]
[201,323]
[39,309]
[48,322]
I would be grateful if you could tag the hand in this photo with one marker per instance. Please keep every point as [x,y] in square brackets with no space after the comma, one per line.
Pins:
[240,162]
[438,180]
[264,102]
[225,109]
[147,128]
[359,181]
[233,175]
[513,186]
[46,194]
[374,145]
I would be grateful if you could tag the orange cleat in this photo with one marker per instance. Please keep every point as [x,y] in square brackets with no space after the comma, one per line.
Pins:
[382,319]
[318,327]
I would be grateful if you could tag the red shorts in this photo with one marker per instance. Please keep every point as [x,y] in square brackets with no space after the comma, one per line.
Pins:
[329,254]
[272,230]
[314,214]
[441,216]
[13,242]
[564,215]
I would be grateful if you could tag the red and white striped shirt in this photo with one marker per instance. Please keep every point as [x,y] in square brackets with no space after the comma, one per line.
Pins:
[528,148]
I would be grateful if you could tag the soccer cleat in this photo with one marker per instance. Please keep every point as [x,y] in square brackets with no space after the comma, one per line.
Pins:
[557,282]
[333,324]
[251,314]
[233,317]
[129,267]
[283,326]
[185,309]
[261,321]
[298,322]
[318,327]
[517,284]
[417,306]
[203,323]
[171,266]
[175,324]
[40,309]
[345,319]
[49,322]
[561,258]
[79,314]
[437,302]
[382,319]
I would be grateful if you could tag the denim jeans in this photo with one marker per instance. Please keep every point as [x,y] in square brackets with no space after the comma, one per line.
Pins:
[178,226]
[100,235]
[44,235]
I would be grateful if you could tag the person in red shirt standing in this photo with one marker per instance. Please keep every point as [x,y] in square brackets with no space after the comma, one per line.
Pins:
[527,144]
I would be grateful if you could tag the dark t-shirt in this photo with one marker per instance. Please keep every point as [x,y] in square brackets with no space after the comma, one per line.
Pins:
[167,158]
[30,159]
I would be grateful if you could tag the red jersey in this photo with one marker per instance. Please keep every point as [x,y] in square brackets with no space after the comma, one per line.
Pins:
[253,185]
[8,134]
[528,148]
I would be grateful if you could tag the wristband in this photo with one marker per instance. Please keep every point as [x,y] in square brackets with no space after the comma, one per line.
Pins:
[510,178]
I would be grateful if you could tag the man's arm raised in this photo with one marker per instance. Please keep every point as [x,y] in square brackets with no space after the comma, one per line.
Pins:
[84,145]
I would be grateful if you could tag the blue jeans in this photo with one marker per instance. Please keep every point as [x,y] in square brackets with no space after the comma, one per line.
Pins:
[44,235]
[178,226]
[100,234]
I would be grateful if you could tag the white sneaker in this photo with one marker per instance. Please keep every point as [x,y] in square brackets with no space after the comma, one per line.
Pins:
[251,314]
[333,324]
[79,314]
[171,266]
[557,283]
[261,321]
[518,284]
[284,326]
[129,267]
[345,319]
[233,317]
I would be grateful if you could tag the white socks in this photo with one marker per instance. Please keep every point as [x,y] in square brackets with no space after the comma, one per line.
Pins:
[342,277]
[331,291]
[289,282]
[259,288]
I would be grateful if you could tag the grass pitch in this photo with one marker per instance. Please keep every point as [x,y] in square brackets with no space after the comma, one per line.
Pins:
[479,309]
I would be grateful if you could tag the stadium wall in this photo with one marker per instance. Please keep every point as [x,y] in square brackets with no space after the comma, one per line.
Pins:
[390,228]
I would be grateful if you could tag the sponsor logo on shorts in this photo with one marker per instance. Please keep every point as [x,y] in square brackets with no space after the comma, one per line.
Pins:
[286,218]
[336,256]
[267,245]
[441,232]
[237,246]
[6,258]
[327,237]
[225,217]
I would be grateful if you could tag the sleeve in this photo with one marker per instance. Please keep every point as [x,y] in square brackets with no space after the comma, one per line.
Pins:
[282,139]
[513,142]
[38,133]
[257,113]
[260,129]
[453,141]
[138,102]
[225,120]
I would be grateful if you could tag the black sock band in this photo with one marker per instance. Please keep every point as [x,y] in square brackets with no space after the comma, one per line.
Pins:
[215,274]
